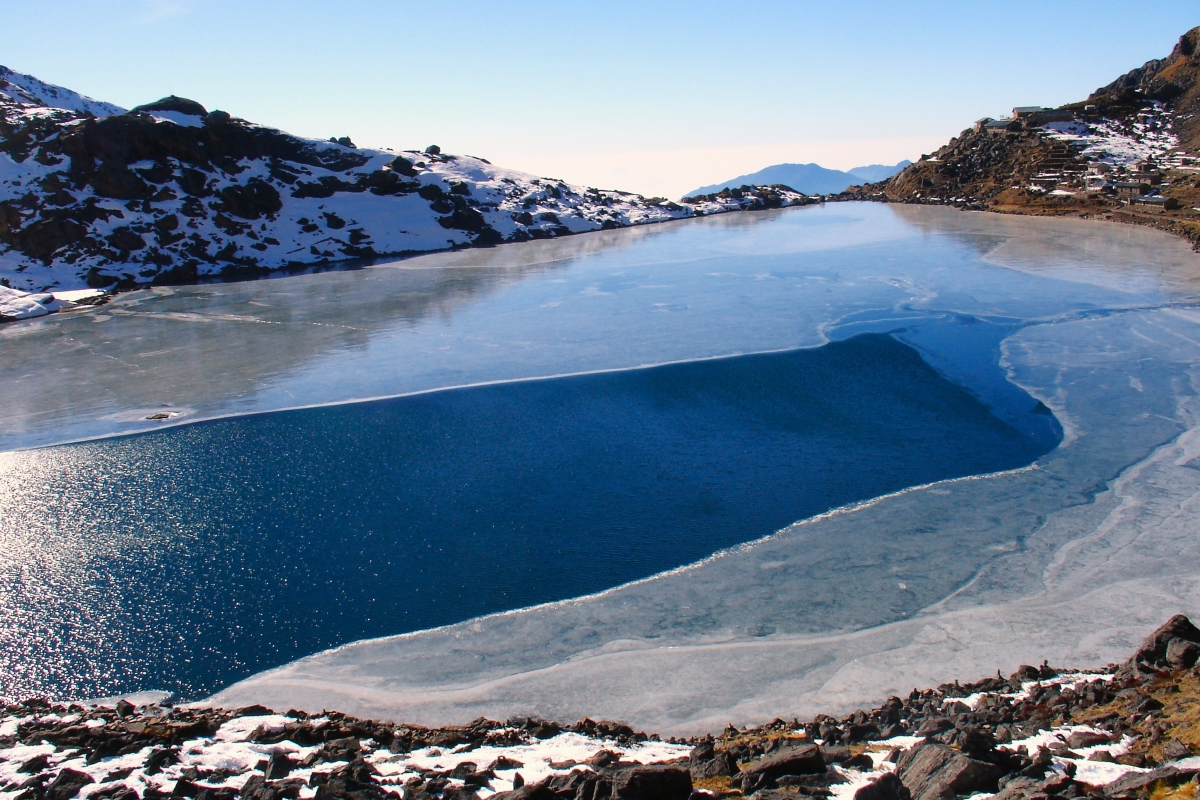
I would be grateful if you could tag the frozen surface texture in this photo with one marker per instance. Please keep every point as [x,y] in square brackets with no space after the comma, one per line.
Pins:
[1085,577]
[1073,560]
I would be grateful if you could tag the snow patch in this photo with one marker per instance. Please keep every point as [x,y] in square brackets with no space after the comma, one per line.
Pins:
[28,90]
[179,118]
[1116,143]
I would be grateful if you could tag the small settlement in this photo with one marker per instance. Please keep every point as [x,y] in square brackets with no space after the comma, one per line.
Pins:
[1088,157]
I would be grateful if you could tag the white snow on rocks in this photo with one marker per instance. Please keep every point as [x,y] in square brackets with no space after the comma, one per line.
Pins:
[234,760]
[15,304]
[1116,142]
[1067,680]
[239,729]
[538,758]
[242,199]
[1093,773]
[179,118]
[29,91]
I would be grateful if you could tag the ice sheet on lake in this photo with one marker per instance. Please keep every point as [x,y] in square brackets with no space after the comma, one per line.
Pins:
[612,299]
[1073,561]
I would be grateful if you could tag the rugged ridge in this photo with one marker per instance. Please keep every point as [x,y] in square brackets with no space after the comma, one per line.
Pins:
[1130,152]
[170,192]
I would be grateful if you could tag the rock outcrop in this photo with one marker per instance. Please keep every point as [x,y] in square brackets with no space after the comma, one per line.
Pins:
[933,771]
[1176,645]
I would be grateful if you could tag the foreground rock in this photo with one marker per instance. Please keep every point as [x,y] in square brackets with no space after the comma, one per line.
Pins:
[936,772]
[1130,731]
[1176,645]
[782,764]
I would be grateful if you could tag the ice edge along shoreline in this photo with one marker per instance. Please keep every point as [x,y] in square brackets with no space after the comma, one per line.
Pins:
[183,420]
[850,508]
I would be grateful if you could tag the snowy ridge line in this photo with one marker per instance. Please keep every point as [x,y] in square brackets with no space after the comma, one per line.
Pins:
[169,193]
[33,93]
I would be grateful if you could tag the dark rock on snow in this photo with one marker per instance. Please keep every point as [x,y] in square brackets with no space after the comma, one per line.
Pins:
[888,787]
[936,772]
[1176,645]
[764,773]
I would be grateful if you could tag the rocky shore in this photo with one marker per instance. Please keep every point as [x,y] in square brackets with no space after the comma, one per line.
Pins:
[1129,731]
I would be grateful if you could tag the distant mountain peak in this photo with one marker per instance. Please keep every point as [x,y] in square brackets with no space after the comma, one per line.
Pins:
[807,179]
[872,173]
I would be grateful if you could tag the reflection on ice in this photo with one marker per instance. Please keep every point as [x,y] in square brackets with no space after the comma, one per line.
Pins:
[1123,257]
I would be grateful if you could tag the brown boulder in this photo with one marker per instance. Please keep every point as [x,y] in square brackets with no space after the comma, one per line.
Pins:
[935,772]
[886,787]
[1175,645]
[67,784]
[803,760]
[537,792]
[652,782]
[706,762]
[638,782]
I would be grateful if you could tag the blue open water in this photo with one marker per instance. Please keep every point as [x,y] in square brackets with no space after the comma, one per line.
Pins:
[191,557]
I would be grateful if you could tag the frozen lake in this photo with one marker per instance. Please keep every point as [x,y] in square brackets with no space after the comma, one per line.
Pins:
[985,563]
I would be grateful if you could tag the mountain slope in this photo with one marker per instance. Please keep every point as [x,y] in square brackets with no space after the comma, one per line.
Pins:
[807,178]
[92,195]
[1130,152]
[31,92]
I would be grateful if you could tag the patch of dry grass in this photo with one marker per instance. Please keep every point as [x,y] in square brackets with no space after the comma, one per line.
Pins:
[1180,716]
[718,786]
[1186,791]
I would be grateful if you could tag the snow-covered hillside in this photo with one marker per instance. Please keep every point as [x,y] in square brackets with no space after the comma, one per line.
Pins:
[1122,142]
[94,196]
[28,91]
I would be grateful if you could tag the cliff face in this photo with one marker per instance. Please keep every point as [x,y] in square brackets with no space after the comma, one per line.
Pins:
[93,195]
[1131,151]
[1171,81]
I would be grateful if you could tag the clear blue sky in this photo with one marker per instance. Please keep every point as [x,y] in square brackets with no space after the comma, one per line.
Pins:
[655,97]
